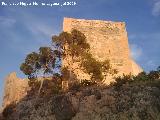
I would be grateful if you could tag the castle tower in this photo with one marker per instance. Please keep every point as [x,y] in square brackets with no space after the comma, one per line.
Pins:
[108,40]
[15,89]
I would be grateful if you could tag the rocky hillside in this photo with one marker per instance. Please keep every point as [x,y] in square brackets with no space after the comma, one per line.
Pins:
[121,101]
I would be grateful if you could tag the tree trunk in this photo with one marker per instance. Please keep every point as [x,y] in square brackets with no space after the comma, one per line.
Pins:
[70,75]
[40,86]
[41,83]
[71,69]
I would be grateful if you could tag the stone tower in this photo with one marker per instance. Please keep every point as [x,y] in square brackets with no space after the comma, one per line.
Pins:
[15,89]
[108,40]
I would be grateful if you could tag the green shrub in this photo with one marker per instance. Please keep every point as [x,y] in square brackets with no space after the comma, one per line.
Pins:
[85,83]
[50,87]
[150,79]
[119,81]
[141,77]
[57,88]
[75,86]
[153,75]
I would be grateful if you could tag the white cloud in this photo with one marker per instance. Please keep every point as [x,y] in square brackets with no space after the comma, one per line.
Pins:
[7,22]
[40,31]
[35,24]
[142,36]
[136,51]
[38,28]
[150,63]
[156,8]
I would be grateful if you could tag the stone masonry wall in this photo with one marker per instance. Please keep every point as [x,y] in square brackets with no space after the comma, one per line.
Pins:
[108,40]
[15,89]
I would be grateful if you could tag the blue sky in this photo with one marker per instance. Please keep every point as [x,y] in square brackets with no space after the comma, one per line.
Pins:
[25,29]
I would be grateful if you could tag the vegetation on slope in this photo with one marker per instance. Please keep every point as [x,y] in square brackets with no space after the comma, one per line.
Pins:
[129,98]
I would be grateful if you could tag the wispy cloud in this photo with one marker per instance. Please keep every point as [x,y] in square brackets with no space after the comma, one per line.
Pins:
[153,35]
[38,28]
[35,24]
[156,8]
[136,51]
[145,49]
[150,63]
[30,31]
[7,21]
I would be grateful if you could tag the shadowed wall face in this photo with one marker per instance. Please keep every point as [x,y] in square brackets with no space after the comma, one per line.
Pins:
[108,40]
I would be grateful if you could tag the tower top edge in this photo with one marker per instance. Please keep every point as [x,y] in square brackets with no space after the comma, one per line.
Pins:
[92,20]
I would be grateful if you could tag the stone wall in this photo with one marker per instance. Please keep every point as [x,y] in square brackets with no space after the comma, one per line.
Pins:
[15,89]
[108,40]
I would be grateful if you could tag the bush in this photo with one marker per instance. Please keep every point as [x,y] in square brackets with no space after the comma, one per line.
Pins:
[75,86]
[148,79]
[56,89]
[85,83]
[119,81]
[50,87]
[141,77]
[34,84]
[62,108]
[153,75]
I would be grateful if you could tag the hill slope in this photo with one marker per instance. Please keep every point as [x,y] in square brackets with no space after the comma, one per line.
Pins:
[129,101]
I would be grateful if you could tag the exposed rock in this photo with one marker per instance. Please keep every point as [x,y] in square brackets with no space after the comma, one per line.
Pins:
[62,108]
[15,89]
[129,103]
